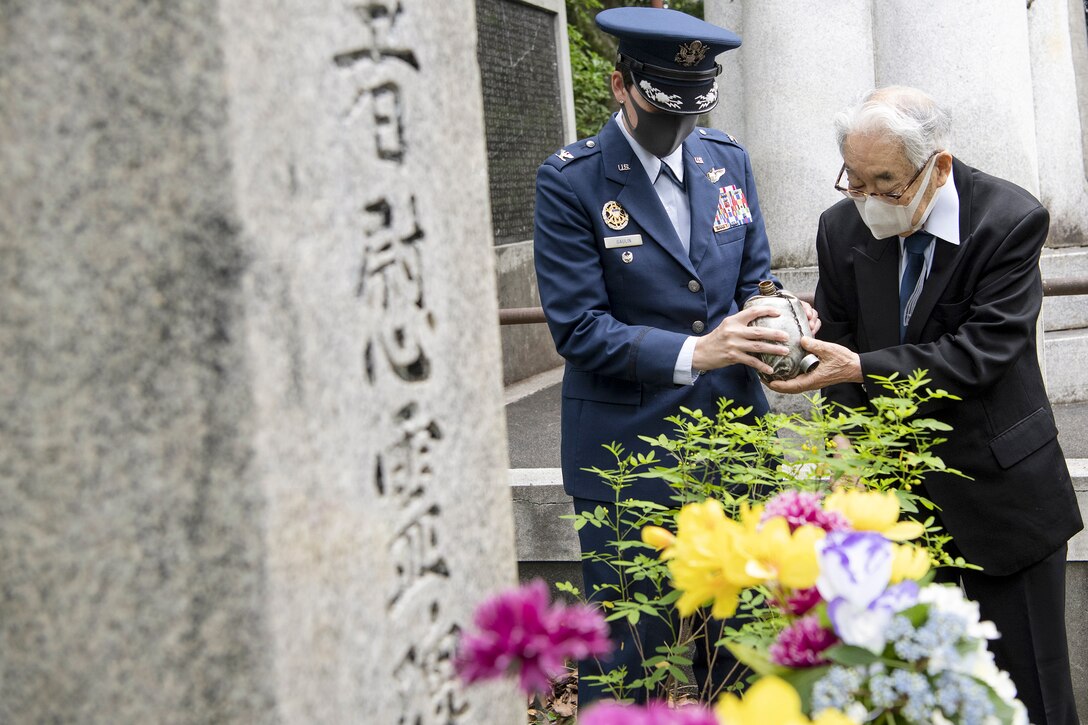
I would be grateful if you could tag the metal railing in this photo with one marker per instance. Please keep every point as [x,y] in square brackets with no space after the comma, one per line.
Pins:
[1053,287]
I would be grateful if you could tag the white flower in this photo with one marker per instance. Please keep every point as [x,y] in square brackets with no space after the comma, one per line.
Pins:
[860,626]
[937,718]
[950,598]
[857,712]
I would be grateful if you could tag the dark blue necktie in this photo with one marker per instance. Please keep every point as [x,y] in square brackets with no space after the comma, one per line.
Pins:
[914,247]
[667,170]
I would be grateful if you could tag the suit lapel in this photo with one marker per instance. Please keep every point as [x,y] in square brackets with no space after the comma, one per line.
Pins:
[876,268]
[637,195]
[702,198]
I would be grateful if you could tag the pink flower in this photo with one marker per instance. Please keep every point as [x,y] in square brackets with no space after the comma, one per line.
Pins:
[802,644]
[518,630]
[800,601]
[803,507]
[653,713]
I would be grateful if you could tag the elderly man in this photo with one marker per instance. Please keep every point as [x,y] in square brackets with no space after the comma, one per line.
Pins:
[929,263]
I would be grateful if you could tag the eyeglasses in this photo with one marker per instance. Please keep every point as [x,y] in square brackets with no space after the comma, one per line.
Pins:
[893,195]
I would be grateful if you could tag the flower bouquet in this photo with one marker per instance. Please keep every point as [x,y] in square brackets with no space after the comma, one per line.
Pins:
[857,631]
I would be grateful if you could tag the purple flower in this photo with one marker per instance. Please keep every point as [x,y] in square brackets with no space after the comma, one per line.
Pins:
[653,713]
[854,565]
[802,644]
[803,507]
[519,630]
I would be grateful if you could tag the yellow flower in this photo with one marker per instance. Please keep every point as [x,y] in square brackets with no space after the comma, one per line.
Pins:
[771,701]
[833,717]
[775,554]
[657,537]
[873,511]
[705,563]
[909,562]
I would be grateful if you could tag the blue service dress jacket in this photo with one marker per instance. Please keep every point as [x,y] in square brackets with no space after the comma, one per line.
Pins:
[621,295]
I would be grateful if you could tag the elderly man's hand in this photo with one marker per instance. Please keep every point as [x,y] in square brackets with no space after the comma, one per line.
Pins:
[838,364]
[813,317]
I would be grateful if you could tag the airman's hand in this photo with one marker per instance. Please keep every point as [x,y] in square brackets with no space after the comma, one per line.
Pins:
[733,341]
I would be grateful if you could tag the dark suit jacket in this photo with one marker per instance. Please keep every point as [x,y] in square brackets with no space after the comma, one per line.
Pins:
[973,329]
[620,324]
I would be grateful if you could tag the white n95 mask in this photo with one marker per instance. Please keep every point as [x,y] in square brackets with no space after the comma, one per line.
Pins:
[889,220]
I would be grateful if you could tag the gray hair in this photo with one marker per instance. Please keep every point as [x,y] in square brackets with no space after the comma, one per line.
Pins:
[918,122]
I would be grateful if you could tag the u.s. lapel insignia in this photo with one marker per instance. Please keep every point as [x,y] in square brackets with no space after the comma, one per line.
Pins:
[628,257]
[564,155]
[623,167]
[614,215]
[691,53]
[714,175]
[698,159]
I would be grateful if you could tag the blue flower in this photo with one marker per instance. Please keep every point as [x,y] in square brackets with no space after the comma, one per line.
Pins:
[836,689]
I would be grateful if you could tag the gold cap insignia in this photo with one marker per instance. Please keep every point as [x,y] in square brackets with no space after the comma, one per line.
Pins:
[691,53]
[614,215]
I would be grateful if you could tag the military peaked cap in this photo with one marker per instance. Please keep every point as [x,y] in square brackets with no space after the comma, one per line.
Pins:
[671,55]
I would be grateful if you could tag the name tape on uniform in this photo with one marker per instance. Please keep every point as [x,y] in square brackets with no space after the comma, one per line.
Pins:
[629,240]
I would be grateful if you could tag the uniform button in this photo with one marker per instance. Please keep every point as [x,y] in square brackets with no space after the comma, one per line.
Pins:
[697,326]
[702,131]
[590,144]
[694,285]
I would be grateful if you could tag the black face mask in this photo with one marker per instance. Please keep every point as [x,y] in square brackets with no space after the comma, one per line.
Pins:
[659,133]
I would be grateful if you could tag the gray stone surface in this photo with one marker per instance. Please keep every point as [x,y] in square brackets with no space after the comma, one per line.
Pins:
[1066,351]
[1063,186]
[1076,603]
[972,56]
[538,505]
[799,64]
[252,461]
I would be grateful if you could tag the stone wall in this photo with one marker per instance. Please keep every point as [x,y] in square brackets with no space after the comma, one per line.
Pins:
[253,461]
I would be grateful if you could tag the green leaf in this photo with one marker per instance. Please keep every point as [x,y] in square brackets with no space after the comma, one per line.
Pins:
[850,656]
[803,679]
[758,661]
[678,674]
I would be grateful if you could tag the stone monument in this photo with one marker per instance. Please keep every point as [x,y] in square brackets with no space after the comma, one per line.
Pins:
[252,458]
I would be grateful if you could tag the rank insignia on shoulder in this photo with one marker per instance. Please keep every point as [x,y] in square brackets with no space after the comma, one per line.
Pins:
[614,215]
[733,139]
[714,175]
[733,209]
[564,155]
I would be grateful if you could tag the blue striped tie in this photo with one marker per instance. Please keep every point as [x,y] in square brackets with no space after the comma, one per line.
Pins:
[915,248]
